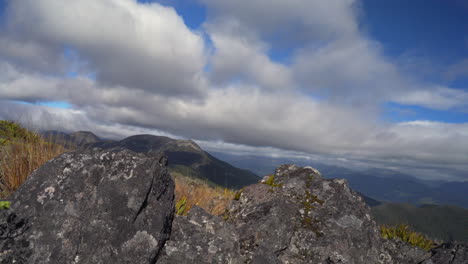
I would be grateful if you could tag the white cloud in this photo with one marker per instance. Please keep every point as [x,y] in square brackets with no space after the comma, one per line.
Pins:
[297,19]
[140,46]
[238,57]
[350,69]
[438,97]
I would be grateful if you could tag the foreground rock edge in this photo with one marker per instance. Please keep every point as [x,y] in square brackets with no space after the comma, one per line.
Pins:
[112,206]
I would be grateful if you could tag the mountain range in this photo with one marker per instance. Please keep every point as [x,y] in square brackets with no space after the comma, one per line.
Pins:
[380,184]
[185,156]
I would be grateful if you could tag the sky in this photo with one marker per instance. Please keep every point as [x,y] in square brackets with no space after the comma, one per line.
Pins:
[371,82]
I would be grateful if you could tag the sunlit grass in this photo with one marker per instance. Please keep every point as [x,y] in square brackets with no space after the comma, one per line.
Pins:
[404,233]
[21,152]
[190,192]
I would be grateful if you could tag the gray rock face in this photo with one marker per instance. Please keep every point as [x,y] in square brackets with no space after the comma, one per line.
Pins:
[449,253]
[201,238]
[112,206]
[298,218]
[304,218]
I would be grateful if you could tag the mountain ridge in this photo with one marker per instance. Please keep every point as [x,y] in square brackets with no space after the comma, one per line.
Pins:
[185,156]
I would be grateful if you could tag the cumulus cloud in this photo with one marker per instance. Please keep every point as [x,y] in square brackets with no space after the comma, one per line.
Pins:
[140,46]
[240,57]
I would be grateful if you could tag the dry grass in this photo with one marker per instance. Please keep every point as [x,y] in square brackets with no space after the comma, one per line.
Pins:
[21,152]
[190,192]
[404,233]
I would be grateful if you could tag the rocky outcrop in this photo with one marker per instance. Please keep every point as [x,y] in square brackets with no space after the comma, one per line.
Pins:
[449,253]
[116,206]
[112,206]
[294,217]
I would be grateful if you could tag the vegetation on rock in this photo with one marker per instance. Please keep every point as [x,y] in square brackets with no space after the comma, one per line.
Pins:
[271,182]
[404,233]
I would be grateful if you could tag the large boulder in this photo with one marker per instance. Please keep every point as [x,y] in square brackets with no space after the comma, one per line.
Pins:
[108,206]
[294,217]
[300,217]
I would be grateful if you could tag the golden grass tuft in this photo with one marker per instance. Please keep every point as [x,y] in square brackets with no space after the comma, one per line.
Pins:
[404,233]
[190,192]
[21,152]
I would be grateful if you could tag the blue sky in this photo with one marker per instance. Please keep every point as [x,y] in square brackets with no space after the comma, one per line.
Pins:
[427,35]
[362,79]
[432,33]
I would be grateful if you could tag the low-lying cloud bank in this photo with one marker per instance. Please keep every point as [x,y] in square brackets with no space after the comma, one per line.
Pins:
[129,68]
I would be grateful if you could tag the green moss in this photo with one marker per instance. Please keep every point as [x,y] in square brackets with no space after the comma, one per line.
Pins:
[271,182]
[4,205]
[312,224]
[227,215]
[404,233]
[309,181]
[238,194]
[309,202]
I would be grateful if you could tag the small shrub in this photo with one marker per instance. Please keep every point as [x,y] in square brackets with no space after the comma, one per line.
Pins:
[404,233]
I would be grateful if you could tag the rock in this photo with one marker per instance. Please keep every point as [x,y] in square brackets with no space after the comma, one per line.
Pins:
[303,218]
[295,217]
[449,253]
[201,238]
[111,206]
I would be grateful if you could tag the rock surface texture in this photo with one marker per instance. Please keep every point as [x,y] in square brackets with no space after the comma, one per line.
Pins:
[449,253]
[295,217]
[112,206]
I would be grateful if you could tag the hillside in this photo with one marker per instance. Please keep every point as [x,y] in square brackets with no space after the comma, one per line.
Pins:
[185,156]
[447,223]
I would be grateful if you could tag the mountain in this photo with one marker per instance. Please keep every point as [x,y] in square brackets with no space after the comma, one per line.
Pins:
[380,184]
[185,156]
[76,139]
[447,223]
